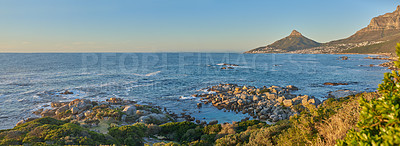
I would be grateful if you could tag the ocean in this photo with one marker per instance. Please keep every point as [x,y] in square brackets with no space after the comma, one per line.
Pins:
[33,80]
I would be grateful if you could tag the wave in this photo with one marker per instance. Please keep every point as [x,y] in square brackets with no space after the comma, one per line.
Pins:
[147,75]
[187,97]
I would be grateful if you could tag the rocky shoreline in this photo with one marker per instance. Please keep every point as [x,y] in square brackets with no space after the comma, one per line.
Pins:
[116,110]
[390,64]
[267,104]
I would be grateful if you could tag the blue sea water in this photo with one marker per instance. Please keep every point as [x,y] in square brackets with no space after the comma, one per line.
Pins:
[31,81]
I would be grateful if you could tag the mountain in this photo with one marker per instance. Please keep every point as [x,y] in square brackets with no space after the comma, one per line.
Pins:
[295,41]
[384,28]
[380,36]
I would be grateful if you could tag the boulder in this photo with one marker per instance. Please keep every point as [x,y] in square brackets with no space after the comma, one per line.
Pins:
[48,113]
[154,118]
[74,110]
[243,96]
[129,110]
[255,98]
[37,112]
[280,99]
[287,103]
[335,84]
[24,121]
[142,112]
[62,109]
[292,88]
[275,119]
[240,102]
[123,118]
[88,113]
[20,123]
[270,96]
[213,122]
[81,104]
[314,101]
[115,100]
[199,105]
[67,92]
[263,117]
[80,116]
[344,57]
[58,104]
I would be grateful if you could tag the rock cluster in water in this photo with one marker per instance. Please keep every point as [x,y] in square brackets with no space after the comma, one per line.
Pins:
[389,65]
[335,84]
[344,58]
[273,103]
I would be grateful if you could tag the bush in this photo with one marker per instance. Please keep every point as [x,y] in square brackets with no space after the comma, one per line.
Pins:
[243,126]
[130,134]
[212,129]
[152,129]
[192,135]
[379,118]
[379,122]
[175,130]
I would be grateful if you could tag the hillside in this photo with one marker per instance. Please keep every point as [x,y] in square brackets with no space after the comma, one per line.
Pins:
[384,47]
[295,41]
[380,36]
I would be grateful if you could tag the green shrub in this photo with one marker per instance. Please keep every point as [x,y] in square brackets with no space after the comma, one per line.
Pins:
[130,134]
[234,139]
[379,122]
[192,135]
[212,129]
[175,130]
[166,144]
[243,126]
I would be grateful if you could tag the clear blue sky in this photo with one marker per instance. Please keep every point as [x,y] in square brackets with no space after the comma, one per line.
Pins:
[176,25]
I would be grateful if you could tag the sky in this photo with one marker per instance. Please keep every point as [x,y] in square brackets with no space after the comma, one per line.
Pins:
[176,25]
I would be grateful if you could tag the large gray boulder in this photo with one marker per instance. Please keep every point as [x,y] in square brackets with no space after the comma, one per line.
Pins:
[62,109]
[130,110]
[48,113]
[74,110]
[154,118]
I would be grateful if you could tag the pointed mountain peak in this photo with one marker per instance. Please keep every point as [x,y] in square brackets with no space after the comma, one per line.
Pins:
[397,11]
[295,33]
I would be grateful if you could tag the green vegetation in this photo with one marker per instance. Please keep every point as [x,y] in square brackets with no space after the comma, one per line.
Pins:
[379,118]
[51,131]
[130,134]
[176,130]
